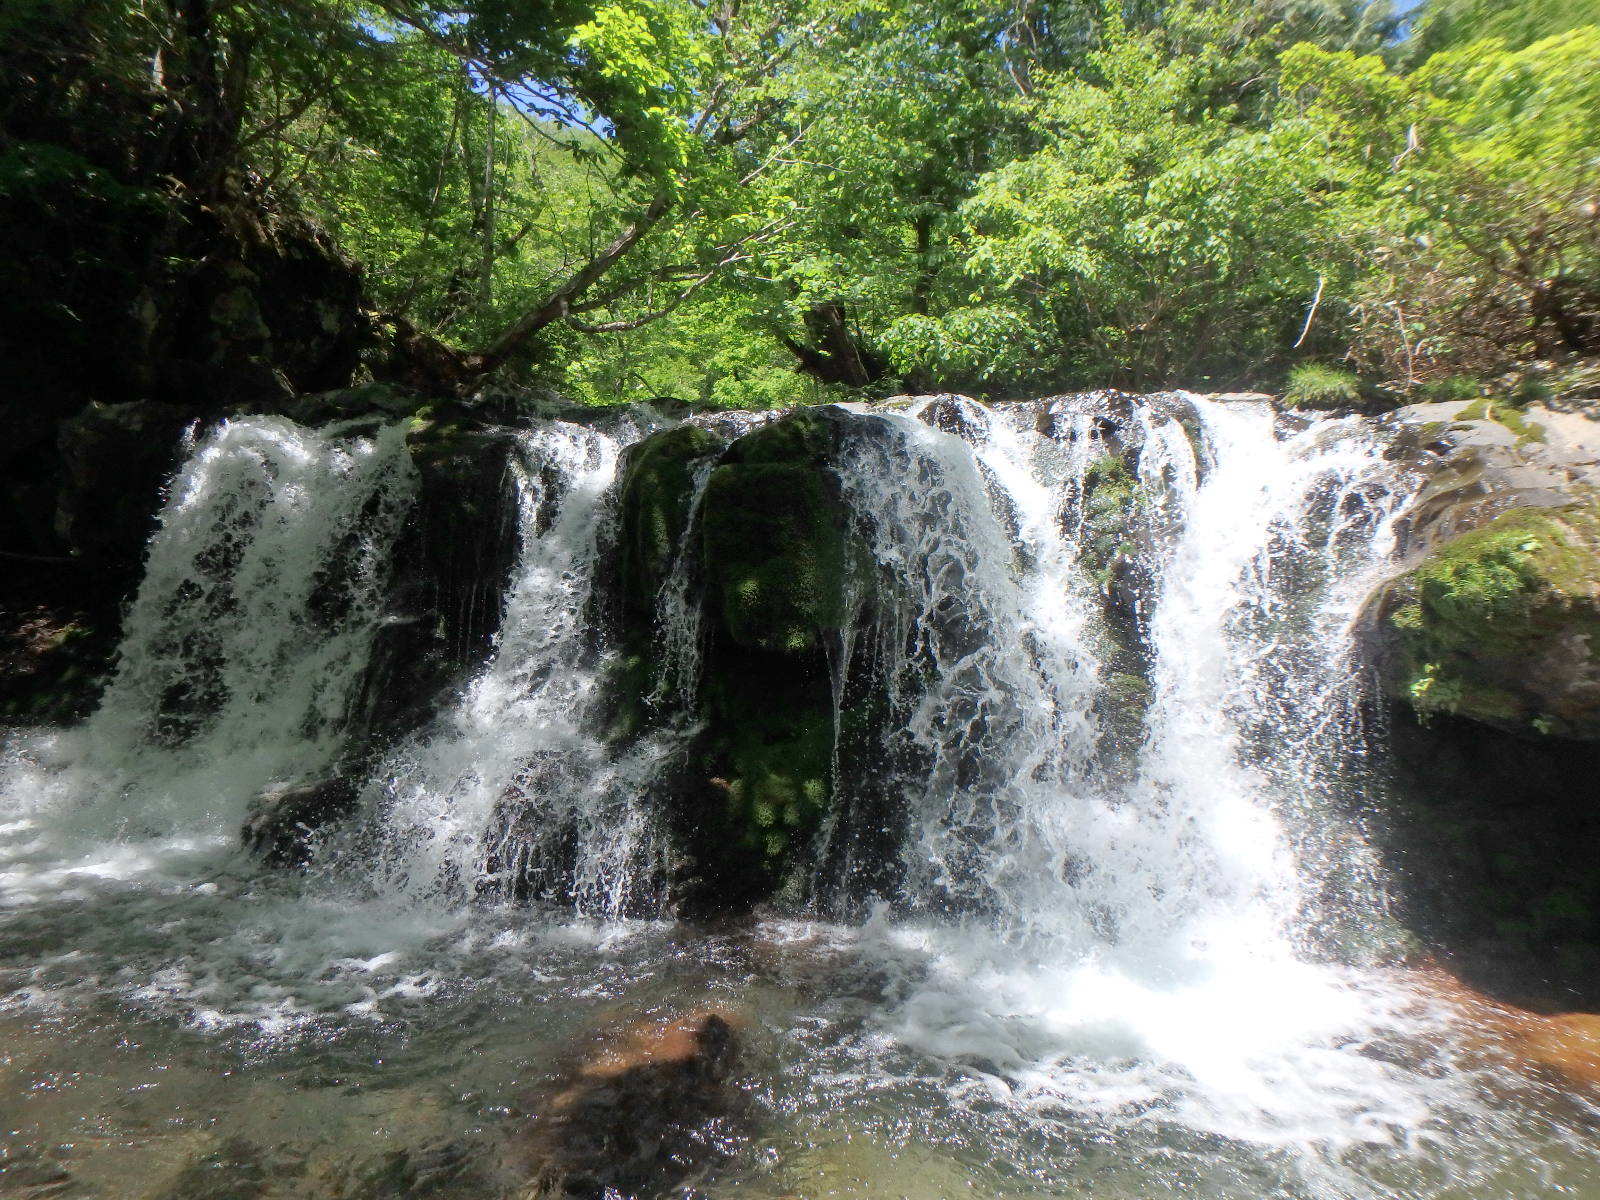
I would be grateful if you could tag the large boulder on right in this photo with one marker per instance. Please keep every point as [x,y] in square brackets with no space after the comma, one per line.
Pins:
[1501,624]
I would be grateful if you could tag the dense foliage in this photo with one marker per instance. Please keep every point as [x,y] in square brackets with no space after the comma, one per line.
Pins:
[756,201]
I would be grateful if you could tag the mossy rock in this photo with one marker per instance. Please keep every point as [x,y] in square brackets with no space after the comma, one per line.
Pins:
[779,552]
[772,766]
[657,490]
[1110,500]
[1502,625]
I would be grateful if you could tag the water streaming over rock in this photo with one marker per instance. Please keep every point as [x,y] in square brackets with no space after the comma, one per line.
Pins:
[515,787]
[245,646]
[1119,894]
[1151,916]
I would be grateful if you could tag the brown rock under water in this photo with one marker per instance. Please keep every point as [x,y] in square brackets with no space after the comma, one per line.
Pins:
[1562,1046]
[653,1107]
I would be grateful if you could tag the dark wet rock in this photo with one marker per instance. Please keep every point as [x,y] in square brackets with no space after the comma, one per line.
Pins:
[236,1170]
[374,401]
[283,821]
[780,558]
[655,1108]
[452,569]
[53,656]
[658,478]
[28,1174]
[448,1170]
[1489,842]
[115,459]
[780,574]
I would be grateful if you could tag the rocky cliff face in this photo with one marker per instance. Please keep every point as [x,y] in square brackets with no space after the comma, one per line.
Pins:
[1486,645]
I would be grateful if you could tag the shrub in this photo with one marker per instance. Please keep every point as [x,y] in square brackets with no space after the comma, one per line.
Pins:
[1317,385]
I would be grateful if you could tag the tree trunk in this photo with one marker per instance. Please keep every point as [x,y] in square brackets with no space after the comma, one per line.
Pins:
[835,354]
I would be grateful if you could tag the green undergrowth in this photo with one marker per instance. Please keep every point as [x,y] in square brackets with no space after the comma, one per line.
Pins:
[1320,386]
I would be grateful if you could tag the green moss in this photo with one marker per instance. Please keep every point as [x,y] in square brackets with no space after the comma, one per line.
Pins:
[779,554]
[657,490]
[776,555]
[802,436]
[771,760]
[1482,610]
[1110,501]
[1513,418]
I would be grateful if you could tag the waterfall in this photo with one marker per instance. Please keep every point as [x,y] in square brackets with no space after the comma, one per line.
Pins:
[1153,918]
[980,646]
[1091,906]
[244,648]
[515,787]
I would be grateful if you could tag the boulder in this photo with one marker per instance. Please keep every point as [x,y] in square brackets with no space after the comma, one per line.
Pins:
[779,554]
[115,458]
[658,479]
[452,569]
[1481,459]
[1501,624]
[654,1107]
[780,574]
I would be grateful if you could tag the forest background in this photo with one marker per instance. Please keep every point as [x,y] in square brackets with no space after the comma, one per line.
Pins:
[748,203]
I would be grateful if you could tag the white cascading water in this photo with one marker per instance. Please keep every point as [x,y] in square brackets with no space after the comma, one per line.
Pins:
[515,783]
[1102,943]
[245,647]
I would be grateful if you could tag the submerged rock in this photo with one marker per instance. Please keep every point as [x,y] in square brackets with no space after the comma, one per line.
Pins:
[236,1170]
[654,1108]
[282,821]
[448,1170]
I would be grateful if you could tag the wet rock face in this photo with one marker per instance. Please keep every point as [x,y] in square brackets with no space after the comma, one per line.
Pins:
[779,554]
[115,459]
[452,569]
[1489,840]
[658,476]
[654,1109]
[282,822]
[1497,616]
[1502,624]
[777,574]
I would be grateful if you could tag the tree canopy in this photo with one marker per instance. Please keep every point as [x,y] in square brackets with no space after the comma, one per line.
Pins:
[749,202]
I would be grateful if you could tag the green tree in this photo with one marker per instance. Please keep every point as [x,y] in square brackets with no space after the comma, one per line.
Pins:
[1469,189]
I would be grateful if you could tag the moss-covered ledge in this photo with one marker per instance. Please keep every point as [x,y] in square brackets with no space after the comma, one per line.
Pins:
[1501,625]
[657,493]
[778,548]
[777,567]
